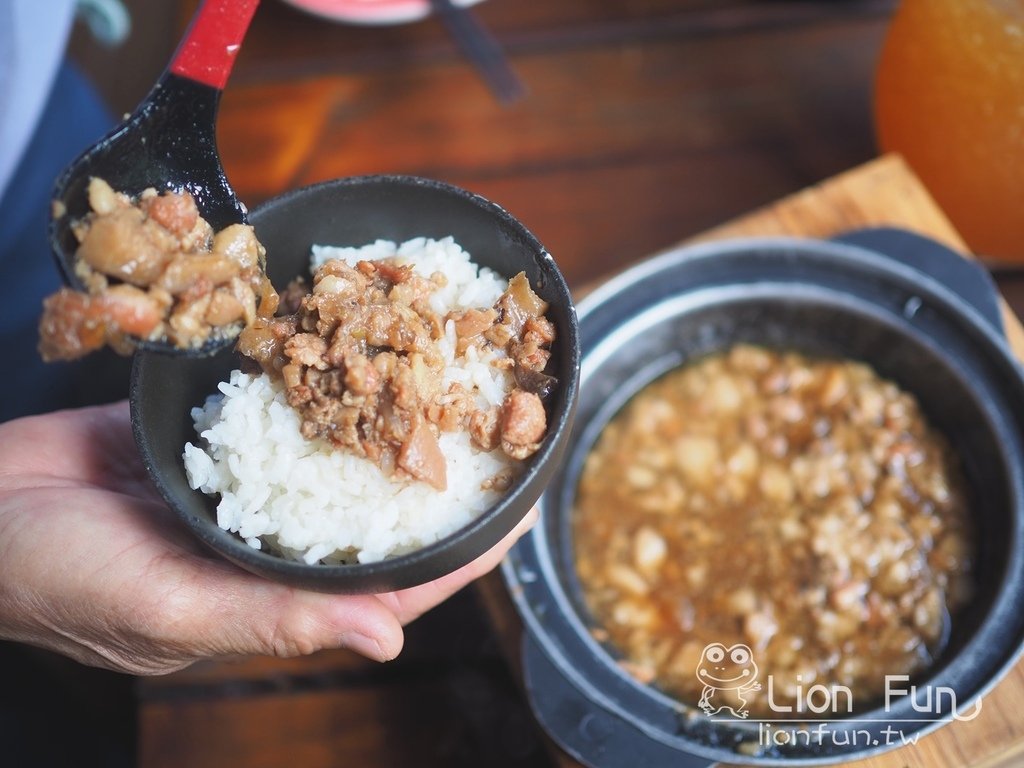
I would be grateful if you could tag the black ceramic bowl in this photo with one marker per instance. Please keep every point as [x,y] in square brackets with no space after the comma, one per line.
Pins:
[943,344]
[357,211]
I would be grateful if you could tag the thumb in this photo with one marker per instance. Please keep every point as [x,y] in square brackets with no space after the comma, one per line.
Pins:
[253,616]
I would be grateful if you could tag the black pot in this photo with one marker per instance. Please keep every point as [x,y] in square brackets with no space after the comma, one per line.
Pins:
[919,315]
[356,211]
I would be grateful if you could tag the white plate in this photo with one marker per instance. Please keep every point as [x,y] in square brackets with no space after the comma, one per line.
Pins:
[370,11]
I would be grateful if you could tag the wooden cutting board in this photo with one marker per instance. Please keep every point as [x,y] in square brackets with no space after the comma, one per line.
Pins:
[881,193]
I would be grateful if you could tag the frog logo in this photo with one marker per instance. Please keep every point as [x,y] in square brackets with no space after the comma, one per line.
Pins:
[729,676]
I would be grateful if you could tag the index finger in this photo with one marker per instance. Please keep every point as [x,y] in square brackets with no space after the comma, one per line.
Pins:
[408,604]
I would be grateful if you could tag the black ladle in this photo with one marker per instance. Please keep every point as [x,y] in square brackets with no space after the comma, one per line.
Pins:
[169,142]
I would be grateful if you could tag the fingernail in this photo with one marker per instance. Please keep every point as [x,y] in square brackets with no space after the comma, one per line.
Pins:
[367,646]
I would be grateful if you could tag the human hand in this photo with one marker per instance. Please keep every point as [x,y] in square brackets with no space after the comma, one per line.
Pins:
[94,566]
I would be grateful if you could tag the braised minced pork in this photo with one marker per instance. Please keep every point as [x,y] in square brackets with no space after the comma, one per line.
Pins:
[361,363]
[153,269]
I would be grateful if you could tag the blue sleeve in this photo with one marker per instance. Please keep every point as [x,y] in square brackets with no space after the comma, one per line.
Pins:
[74,118]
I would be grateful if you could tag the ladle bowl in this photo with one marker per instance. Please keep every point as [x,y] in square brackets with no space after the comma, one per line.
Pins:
[169,142]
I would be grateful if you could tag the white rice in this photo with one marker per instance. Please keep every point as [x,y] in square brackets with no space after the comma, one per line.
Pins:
[310,501]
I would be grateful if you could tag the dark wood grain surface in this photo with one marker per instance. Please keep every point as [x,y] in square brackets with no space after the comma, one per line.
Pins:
[646,122]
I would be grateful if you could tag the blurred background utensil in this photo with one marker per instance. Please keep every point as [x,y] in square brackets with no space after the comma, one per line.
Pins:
[169,142]
[481,49]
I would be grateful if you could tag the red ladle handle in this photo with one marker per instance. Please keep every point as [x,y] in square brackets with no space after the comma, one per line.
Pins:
[213,40]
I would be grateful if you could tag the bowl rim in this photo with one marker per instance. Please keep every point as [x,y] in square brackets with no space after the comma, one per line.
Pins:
[539,594]
[395,571]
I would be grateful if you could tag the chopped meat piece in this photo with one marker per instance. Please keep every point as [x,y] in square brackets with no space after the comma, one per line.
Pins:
[238,243]
[386,362]
[473,322]
[354,280]
[159,247]
[433,321]
[499,335]
[450,412]
[329,419]
[391,425]
[102,199]
[292,375]
[388,271]
[306,349]
[403,385]
[483,429]
[124,245]
[130,310]
[396,326]
[66,330]
[469,326]
[291,297]
[522,423]
[266,296]
[187,322]
[529,355]
[411,290]
[74,324]
[361,377]
[425,369]
[519,303]
[175,213]
[241,291]
[539,329]
[264,341]
[186,270]
[421,457]
[342,345]
[196,290]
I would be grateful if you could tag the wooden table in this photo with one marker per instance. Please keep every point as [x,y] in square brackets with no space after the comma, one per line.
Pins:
[881,193]
[647,121]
